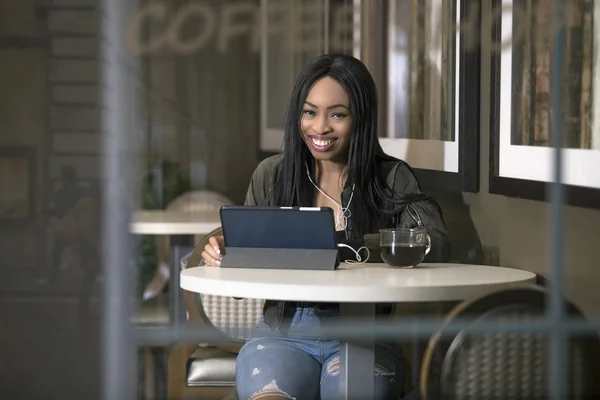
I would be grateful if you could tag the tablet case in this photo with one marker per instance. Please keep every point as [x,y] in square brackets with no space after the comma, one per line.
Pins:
[279,238]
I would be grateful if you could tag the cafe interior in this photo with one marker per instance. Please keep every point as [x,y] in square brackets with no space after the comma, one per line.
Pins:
[104,293]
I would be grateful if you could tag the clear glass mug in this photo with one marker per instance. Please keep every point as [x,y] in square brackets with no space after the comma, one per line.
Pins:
[404,248]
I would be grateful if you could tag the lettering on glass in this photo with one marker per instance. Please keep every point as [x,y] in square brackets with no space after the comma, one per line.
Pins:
[219,26]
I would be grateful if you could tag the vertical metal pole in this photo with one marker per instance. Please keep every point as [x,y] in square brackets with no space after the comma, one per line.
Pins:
[176,301]
[326,16]
[556,190]
[118,348]
[357,357]
[357,29]
[374,51]
[264,49]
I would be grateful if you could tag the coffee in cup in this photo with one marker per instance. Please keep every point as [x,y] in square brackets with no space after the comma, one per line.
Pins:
[404,248]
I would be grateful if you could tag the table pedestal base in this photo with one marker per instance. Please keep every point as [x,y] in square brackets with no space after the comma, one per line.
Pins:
[357,357]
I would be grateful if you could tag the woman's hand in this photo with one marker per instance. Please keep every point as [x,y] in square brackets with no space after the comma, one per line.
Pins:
[213,251]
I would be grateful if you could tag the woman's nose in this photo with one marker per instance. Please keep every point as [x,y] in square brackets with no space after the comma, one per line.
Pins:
[321,125]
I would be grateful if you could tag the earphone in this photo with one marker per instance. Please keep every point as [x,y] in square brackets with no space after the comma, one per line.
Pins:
[359,259]
[414,214]
[342,215]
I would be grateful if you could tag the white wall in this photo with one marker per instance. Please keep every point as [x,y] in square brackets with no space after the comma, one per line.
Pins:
[521,228]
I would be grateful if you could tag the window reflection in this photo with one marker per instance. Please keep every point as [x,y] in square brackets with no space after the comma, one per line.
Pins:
[422,69]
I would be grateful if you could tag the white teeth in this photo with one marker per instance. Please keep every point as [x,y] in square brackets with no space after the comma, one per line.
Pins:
[321,143]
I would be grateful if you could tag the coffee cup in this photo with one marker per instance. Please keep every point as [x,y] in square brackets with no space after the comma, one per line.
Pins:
[404,248]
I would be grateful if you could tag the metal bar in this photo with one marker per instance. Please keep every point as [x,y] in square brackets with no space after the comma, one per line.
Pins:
[264,51]
[174,290]
[557,371]
[354,329]
[176,301]
[118,350]
[357,28]
[357,356]
[326,11]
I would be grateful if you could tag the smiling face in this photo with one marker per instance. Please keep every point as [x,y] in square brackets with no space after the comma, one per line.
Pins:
[326,122]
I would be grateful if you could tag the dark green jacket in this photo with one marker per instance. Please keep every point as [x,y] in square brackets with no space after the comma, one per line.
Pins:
[399,176]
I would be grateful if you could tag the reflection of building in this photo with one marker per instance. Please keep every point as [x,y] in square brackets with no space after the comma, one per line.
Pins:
[533,54]
[50,73]
[15,183]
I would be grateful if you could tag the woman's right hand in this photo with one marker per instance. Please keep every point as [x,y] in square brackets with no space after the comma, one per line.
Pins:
[213,251]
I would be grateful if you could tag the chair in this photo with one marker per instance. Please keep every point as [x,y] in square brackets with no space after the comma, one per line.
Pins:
[195,201]
[505,364]
[207,370]
[199,200]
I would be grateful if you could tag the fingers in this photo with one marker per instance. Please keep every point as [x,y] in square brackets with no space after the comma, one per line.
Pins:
[221,241]
[209,260]
[212,253]
[217,243]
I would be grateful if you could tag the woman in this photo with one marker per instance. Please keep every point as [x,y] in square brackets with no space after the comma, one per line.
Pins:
[331,158]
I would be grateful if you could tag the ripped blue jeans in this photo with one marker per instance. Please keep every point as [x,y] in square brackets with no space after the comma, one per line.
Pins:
[308,369]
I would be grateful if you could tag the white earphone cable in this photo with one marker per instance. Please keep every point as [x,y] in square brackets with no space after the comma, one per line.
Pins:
[343,213]
[359,259]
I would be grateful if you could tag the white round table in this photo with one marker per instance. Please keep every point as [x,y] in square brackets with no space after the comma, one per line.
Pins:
[362,283]
[171,223]
[165,222]
[357,287]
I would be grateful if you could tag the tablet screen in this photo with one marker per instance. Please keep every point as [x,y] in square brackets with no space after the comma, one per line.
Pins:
[278,227]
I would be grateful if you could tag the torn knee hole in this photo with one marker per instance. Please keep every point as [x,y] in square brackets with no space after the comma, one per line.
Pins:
[271,390]
[333,367]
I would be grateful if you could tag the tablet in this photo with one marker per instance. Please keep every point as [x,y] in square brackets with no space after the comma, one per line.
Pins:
[279,237]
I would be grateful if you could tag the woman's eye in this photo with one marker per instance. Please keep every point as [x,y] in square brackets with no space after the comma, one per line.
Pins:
[309,112]
[338,115]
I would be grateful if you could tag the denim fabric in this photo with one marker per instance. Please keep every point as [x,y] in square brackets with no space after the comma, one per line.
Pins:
[307,368]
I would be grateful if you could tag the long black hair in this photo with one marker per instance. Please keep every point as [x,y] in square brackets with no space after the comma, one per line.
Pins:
[293,187]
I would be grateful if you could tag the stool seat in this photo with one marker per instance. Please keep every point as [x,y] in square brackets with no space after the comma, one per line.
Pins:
[211,366]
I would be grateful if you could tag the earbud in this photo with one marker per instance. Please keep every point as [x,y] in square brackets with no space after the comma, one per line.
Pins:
[359,259]
[414,214]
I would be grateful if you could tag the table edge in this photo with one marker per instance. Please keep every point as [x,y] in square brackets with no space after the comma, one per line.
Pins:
[359,295]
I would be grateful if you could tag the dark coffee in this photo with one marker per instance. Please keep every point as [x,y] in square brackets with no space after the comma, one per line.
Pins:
[403,255]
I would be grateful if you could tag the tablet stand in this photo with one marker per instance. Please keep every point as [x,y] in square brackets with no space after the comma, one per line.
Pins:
[275,258]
